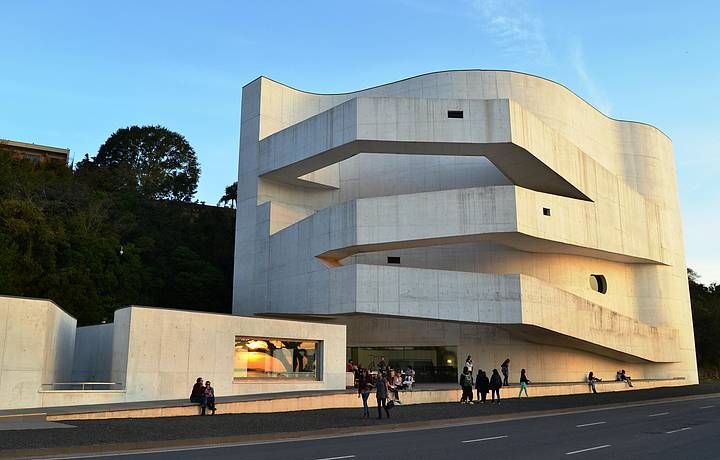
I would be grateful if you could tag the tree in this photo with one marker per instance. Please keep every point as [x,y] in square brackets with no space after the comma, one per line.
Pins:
[154,161]
[705,302]
[230,196]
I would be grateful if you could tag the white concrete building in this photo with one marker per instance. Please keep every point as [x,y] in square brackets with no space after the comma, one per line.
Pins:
[488,213]
[155,354]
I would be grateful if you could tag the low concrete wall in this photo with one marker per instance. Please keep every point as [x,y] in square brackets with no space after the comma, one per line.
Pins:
[334,400]
[93,353]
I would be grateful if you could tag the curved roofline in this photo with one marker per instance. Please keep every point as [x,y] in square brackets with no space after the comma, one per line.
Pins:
[469,70]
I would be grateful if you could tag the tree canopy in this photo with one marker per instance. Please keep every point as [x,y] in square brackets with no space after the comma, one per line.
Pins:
[61,232]
[705,302]
[152,160]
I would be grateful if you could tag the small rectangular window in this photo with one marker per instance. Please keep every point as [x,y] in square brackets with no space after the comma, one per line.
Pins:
[455,114]
[393,260]
[546,211]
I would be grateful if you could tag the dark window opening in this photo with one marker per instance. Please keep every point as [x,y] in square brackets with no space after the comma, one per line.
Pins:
[455,114]
[393,260]
[546,211]
[598,283]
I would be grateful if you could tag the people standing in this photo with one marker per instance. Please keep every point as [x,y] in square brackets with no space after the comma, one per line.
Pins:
[482,385]
[382,365]
[466,384]
[469,364]
[591,379]
[365,387]
[495,384]
[381,394]
[505,368]
[523,383]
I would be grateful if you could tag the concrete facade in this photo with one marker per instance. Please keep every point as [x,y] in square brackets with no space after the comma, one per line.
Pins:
[36,347]
[499,218]
[148,354]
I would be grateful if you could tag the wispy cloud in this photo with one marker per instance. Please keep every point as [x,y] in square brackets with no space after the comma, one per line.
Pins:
[594,94]
[513,28]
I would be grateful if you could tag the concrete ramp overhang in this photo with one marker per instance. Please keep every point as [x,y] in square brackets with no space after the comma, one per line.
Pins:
[535,310]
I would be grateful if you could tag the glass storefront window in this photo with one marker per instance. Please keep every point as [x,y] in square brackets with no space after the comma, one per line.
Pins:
[268,358]
[431,364]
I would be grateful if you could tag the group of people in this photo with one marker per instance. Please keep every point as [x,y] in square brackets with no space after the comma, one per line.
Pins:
[620,376]
[203,394]
[483,384]
[384,382]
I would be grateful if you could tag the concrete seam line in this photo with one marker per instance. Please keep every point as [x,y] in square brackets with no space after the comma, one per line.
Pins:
[395,428]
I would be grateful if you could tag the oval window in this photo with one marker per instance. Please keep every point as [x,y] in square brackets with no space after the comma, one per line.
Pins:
[598,283]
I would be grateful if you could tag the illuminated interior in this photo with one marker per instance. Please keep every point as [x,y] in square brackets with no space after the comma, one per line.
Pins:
[269,358]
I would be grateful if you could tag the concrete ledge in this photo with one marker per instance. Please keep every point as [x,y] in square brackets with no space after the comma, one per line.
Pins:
[335,400]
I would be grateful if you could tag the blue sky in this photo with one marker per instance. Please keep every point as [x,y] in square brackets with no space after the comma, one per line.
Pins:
[72,72]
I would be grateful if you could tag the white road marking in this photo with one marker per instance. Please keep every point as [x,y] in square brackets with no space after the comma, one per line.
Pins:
[658,414]
[589,424]
[446,424]
[677,431]
[706,407]
[336,458]
[485,439]
[588,449]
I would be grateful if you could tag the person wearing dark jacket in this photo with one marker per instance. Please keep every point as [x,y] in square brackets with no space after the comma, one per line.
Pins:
[505,368]
[482,385]
[365,386]
[198,390]
[466,383]
[495,384]
[381,394]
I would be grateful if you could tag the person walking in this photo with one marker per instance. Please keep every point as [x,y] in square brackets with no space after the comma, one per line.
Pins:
[381,394]
[495,384]
[523,383]
[466,384]
[591,379]
[482,386]
[365,387]
[505,368]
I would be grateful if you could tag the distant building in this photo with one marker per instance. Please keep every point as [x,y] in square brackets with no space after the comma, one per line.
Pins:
[34,152]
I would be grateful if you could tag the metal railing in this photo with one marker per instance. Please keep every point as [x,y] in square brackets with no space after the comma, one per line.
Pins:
[81,386]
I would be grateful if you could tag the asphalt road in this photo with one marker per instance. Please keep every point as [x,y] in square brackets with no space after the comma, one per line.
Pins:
[661,430]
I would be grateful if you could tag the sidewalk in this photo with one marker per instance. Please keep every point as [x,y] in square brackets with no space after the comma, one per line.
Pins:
[143,433]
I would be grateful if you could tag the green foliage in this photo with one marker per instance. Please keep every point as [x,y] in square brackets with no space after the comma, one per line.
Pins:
[156,162]
[230,196]
[61,232]
[706,322]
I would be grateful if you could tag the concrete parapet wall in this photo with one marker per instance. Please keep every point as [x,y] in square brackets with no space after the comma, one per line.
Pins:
[280,403]
[36,348]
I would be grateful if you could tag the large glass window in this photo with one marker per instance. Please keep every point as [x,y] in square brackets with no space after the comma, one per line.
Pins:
[431,364]
[268,358]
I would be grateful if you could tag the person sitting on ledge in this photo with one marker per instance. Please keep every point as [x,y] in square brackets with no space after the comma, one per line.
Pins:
[625,378]
[591,379]
[198,391]
[209,400]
